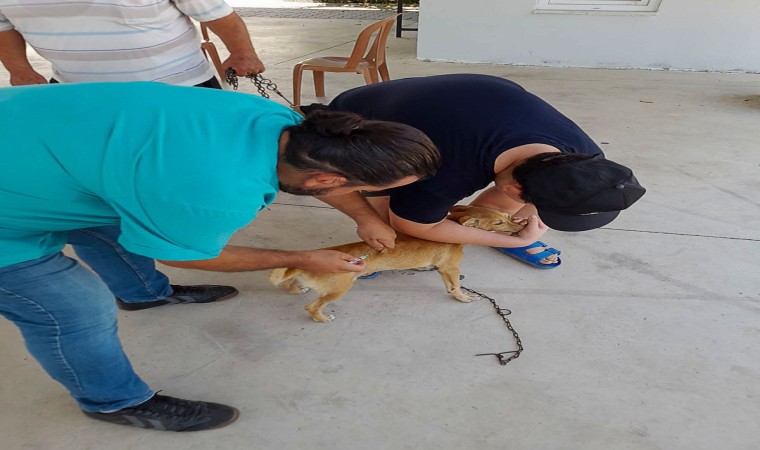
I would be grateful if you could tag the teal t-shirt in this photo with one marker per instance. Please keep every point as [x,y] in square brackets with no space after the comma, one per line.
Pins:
[180,169]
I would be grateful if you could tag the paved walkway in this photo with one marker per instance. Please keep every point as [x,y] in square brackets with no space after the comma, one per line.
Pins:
[320,12]
[645,338]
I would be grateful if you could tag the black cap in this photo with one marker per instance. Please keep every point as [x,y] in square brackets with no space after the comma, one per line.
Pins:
[581,194]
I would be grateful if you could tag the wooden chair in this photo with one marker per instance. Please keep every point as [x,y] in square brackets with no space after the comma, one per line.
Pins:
[209,51]
[367,64]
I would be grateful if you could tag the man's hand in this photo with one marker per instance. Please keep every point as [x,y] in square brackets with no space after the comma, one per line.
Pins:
[244,65]
[233,32]
[13,57]
[377,234]
[234,258]
[25,77]
[330,261]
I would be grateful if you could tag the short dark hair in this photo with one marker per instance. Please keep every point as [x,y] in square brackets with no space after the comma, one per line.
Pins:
[366,152]
[541,161]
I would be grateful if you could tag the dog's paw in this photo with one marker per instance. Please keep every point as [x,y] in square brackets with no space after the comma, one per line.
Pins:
[464,298]
[297,290]
[324,318]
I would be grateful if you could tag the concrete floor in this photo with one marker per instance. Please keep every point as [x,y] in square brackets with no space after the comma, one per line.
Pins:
[645,338]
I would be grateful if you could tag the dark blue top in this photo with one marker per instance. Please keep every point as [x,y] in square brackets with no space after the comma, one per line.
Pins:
[472,119]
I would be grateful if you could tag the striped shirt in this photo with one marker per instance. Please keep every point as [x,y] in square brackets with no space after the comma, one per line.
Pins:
[116,40]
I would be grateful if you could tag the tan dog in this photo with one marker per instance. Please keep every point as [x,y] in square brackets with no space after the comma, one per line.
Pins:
[409,253]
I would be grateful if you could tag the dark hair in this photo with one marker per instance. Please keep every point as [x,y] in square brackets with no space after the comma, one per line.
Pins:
[370,152]
[539,162]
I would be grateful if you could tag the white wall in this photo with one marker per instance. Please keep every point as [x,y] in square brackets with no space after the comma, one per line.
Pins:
[714,35]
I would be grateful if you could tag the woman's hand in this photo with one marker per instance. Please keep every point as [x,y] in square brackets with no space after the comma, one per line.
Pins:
[534,229]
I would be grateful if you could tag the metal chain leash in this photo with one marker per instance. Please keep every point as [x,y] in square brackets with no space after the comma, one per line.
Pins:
[503,312]
[261,83]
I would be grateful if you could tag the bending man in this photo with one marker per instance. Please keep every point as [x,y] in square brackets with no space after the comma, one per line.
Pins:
[178,179]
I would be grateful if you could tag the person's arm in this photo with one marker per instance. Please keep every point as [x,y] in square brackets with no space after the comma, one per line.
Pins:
[234,258]
[13,57]
[450,231]
[370,227]
[232,31]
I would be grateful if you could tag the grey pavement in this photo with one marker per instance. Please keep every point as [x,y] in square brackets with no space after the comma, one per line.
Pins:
[645,338]
[326,13]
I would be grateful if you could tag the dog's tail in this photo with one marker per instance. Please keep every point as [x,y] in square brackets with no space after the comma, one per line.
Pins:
[277,276]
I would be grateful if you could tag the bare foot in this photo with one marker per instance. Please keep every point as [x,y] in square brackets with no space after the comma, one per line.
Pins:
[551,259]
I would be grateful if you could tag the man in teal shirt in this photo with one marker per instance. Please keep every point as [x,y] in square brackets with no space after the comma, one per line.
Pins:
[178,170]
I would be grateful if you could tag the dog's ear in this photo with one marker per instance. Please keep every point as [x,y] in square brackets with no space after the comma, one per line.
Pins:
[457,212]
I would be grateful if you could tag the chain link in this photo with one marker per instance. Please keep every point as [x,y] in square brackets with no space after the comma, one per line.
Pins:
[261,83]
[503,312]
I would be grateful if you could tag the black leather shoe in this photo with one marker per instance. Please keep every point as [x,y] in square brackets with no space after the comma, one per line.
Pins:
[166,413]
[205,293]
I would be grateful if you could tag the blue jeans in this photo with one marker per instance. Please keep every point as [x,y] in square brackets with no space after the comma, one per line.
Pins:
[132,278]
[67,317]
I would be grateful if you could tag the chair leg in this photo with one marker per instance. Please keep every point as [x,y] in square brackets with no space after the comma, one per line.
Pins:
[297,74]
[209,51]
[384,72]
[319,83]
[370,75]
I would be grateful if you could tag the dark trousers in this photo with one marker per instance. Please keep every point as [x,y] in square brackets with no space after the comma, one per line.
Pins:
[211,83]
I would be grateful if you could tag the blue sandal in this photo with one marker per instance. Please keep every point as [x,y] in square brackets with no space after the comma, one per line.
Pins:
[533,260]
[369,276]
